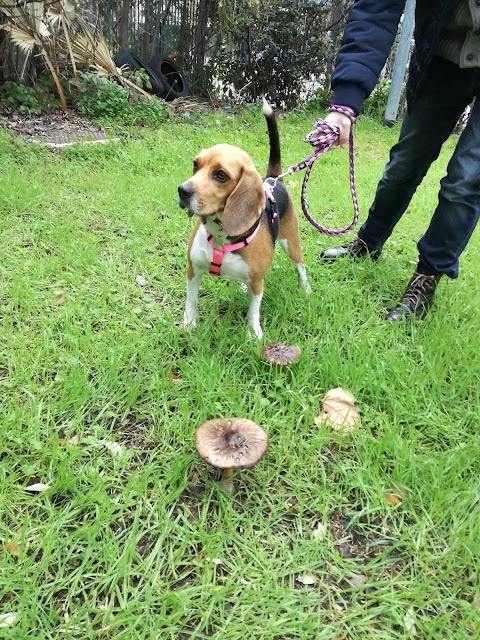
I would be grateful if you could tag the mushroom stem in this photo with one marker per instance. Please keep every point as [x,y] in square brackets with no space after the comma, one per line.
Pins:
[226,481]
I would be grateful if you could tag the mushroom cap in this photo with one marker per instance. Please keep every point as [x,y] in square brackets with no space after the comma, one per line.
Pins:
[231,443]
[278,353]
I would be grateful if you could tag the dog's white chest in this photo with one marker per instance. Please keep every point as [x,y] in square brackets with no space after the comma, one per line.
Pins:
[201,254]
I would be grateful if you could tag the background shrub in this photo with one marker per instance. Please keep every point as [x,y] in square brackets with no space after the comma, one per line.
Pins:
[374,106]
[22,98]
[103,100]
[100,98]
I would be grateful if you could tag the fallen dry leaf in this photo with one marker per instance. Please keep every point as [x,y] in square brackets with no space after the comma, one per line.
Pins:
[38,487]
[7,619]
[344,550]
[172,376]
[339,410]
[399,490]
[13,548]
[393,499]
[60,299]
[410,622]
[307,579]
[320,531]
[357,579]
[113,447]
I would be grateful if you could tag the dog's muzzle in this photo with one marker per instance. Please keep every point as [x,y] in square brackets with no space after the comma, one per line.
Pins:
[185,196]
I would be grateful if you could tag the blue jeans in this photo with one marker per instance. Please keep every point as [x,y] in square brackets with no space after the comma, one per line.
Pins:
[446,92]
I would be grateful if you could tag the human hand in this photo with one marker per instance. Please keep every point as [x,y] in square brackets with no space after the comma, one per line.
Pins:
[343,122]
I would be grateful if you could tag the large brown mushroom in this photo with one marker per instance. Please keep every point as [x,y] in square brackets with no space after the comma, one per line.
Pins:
[280,354]
[229,444]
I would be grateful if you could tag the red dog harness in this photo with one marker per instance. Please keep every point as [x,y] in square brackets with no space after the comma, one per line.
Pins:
[218,252]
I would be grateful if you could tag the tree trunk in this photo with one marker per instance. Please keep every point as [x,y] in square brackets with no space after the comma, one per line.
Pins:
[164,18]
[184,35]
[123,15]
[147,30]
[201,38]
[336,20]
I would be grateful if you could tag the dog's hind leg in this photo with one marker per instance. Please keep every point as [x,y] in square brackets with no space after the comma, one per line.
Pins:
[289,240]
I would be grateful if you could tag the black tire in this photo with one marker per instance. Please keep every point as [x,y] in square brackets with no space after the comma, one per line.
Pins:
[172,76]
[125,57]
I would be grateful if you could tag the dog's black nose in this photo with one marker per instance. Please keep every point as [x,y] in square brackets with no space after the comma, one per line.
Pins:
[185,192]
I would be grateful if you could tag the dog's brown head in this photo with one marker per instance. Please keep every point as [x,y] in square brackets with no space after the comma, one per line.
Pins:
[224,181]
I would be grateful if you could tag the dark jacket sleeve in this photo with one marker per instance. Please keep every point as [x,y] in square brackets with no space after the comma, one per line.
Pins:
[367,40]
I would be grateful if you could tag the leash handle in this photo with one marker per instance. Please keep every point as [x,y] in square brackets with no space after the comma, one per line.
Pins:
[339,108]
[322,138]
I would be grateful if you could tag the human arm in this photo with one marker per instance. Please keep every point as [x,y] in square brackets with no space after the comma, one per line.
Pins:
[369,34]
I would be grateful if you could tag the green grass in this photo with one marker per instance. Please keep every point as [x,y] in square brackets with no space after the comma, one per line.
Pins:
[139,542]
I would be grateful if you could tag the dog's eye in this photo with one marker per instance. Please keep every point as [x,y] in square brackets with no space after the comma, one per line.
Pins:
[195,166]
[221,176]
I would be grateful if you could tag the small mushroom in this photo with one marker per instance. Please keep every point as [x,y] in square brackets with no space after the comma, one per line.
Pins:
[229,444]
[280,354]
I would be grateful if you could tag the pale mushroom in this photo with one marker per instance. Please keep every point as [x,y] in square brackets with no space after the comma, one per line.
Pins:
[229,444]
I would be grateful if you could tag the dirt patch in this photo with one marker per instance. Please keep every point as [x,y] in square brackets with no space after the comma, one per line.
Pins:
[54,128]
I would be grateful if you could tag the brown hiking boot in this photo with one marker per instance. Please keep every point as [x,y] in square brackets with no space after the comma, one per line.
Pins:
[417,298]
[356,250]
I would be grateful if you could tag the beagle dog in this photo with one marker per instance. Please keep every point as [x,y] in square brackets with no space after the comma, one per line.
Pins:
[239,217]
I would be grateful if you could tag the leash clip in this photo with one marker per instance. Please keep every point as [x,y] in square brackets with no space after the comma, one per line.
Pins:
[269,185]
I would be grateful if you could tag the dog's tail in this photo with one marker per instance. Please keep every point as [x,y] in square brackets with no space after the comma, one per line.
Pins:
[274,161]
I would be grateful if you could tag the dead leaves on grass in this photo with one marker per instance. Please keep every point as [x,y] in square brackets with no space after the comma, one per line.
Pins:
[60,299]
[397,494]
[8,619]
[13,548]
[357,579]
[307,579]
[339,411]
[38,487]
[392,499]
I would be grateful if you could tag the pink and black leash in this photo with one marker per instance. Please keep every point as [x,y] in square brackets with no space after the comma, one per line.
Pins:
[322,138]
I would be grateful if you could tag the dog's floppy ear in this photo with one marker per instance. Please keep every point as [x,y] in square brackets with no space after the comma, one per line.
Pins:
[244,205]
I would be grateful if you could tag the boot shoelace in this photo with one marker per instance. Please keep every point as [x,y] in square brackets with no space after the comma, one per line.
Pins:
[420,285]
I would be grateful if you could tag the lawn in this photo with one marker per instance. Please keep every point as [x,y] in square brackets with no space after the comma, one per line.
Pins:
[373,534]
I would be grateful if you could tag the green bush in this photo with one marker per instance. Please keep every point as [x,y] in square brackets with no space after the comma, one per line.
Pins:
[374,106]
[279,47]
[145,112]
[101,99]
[320,101]
[22,98]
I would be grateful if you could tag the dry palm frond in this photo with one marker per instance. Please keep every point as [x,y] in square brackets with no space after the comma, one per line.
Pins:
[61,32]
[64,10]
[93,54]
[29,17]
[22,38]
[27,28]
[64,13]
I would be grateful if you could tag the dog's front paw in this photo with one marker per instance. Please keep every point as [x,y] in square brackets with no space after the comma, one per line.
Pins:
[188,324]
[307,288]
[255,330]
